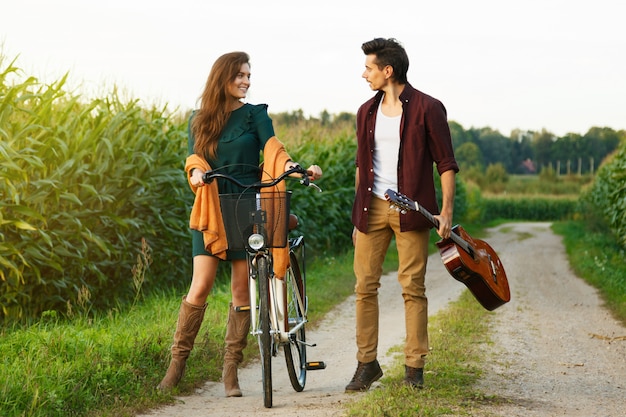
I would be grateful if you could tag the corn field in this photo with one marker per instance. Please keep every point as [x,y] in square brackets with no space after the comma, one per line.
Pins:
[606,198]
[85,187]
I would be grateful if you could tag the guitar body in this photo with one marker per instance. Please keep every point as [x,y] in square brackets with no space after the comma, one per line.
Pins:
[483,274]
[470,261]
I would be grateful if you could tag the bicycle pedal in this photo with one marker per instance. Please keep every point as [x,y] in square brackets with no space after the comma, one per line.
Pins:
[314,366]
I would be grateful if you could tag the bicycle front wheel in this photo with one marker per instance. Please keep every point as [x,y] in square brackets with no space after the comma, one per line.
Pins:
[295,350]
[264,337]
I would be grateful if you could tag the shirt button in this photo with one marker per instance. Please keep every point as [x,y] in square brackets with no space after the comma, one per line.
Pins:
[365,209]
[369,188]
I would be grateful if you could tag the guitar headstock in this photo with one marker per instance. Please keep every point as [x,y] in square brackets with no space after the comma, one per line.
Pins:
[399,201]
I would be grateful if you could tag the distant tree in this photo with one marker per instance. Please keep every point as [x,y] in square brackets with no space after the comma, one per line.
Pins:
[496,148]
[543,143]
[325,118]
[567,150]
[459,135]
[575,153]
[289,119]
[345,117]
[523,153]
[468,155]
[604,141]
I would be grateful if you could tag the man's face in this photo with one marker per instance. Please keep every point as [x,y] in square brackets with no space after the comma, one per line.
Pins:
[376,77]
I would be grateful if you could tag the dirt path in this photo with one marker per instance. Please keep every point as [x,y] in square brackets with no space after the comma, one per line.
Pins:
[557,351]
[545,360]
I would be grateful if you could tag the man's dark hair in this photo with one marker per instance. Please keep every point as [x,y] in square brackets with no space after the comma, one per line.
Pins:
[389,52]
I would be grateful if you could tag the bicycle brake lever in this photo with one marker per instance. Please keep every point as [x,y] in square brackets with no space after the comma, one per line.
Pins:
[306,181]
[315,186]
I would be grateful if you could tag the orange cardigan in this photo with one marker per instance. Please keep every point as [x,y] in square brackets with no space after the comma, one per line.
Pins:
[206,214]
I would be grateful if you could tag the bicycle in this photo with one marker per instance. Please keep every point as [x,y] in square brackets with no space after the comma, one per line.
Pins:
[258,222]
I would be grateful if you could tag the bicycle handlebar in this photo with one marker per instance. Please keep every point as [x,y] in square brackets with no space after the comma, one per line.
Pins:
[209,176]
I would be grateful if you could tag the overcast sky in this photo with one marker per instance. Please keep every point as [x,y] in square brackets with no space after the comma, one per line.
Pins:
[532,64]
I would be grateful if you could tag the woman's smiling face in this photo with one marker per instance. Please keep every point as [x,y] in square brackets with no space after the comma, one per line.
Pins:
[238,88]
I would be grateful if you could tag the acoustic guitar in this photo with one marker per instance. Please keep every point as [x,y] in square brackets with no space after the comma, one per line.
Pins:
[470,261]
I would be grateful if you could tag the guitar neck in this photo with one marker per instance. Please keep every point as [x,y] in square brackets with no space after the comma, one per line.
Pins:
[453,236]
[420,209]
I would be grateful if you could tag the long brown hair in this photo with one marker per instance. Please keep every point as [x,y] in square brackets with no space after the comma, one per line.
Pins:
[215,106]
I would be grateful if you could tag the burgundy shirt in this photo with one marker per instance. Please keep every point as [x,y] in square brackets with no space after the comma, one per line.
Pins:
[424,139]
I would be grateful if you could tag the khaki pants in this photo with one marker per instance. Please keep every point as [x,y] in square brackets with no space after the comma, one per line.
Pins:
[369,253]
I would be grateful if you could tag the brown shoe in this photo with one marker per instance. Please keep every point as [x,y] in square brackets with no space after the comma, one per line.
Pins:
[366,374]
[413,377]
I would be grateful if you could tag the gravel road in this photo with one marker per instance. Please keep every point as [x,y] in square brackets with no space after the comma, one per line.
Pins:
[556,350]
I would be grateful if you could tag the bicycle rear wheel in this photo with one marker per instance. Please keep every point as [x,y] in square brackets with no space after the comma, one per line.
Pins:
[264,337]
[295,350]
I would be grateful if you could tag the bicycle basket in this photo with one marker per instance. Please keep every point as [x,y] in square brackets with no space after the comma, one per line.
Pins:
[242,218]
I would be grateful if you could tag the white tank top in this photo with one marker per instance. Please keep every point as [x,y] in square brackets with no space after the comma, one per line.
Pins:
[386,152]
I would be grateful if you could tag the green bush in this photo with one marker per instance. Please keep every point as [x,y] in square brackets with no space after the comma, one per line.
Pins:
[474,204]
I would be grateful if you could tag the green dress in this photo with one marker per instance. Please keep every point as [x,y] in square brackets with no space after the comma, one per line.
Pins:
[238,152]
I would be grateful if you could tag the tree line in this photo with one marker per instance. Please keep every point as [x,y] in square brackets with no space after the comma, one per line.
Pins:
[522,152]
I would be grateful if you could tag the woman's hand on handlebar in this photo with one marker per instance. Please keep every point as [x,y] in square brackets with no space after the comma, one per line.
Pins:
[314,171]
[196,178]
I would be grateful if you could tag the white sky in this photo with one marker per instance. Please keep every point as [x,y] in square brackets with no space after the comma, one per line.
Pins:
[505,64]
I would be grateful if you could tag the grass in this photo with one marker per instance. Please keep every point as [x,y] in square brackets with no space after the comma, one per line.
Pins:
[108,365]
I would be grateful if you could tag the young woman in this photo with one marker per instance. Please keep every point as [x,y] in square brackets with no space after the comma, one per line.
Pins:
[230,134]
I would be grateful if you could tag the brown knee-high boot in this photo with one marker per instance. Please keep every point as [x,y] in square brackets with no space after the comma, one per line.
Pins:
[236,339]
[189,320]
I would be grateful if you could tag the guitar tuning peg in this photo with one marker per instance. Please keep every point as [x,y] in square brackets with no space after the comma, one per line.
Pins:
[403,211]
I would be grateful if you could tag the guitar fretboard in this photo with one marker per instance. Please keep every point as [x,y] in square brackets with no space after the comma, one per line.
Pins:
[405,203]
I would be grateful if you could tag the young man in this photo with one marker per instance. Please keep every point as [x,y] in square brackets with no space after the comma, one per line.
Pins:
[401,132]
